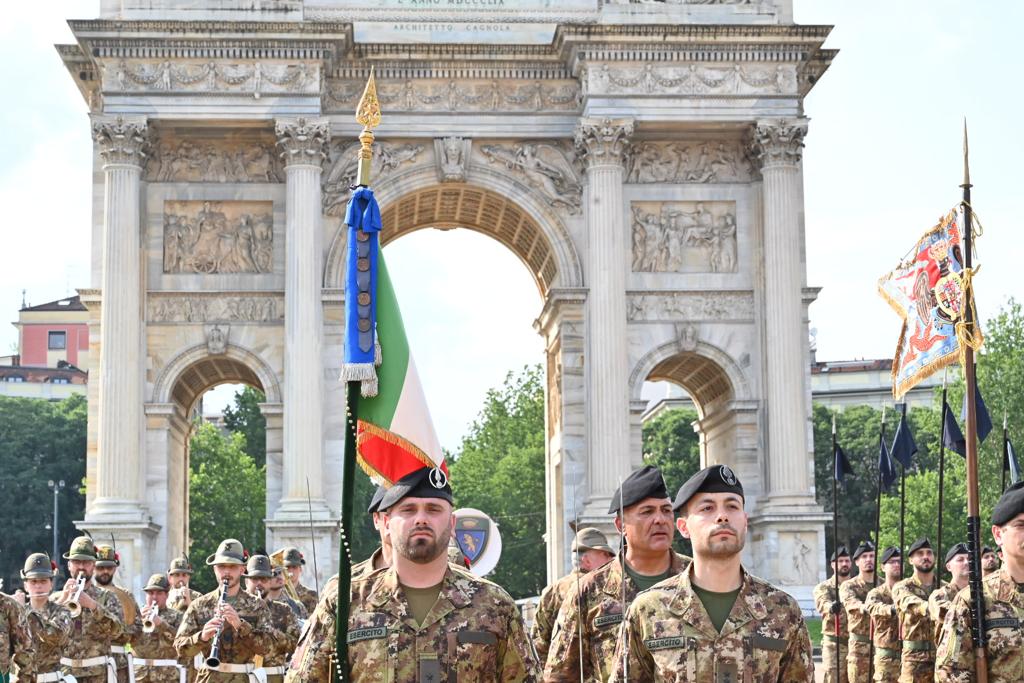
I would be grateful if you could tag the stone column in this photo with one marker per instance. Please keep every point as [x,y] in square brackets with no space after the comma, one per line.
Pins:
[779,145]
[303,144]
[603,144]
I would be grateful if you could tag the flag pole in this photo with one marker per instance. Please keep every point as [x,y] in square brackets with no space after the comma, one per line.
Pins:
[979,636]
[878,501]
[1006,452]
[367,114]
[942,461]
[903,498]
[835,535]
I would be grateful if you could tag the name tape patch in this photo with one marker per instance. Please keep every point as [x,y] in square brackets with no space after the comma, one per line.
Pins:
[367,634]
[608,620]
[1008,622]
[664,643]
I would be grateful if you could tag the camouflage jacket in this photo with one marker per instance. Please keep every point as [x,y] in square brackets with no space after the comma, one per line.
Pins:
[884,620]
[367,566]
[473,634]
[911,599]
[50,629]
[1004,607]
[158,645]
[307,596]
[176,600]
[132,621]
[298,609]
[547,611]
[938,604]
[824,598]
[16,646]
[285,632]
[852,594]
[236,647]
[669,637]
[94,630]
[599,598]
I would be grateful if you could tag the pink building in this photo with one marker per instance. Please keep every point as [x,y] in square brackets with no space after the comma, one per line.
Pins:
[53,332]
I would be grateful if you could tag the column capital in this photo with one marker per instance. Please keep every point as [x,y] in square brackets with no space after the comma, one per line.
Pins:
[778,142]
[303,142]
[603,142]
[121,140]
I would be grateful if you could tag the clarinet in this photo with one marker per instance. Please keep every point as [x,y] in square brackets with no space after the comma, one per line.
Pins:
[213,661]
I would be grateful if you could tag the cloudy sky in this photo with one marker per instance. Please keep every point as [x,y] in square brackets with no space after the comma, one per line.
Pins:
[883,161]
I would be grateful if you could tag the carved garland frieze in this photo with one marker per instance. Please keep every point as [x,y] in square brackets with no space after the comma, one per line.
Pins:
[201,309]
[684,237]
[257,78]
[692,79]
[545,167]
[214,161]
[387,157]
[690,306]
[695,162]
[460,95]
[218,237]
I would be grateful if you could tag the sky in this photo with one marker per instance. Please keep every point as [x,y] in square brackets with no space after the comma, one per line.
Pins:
[883,161]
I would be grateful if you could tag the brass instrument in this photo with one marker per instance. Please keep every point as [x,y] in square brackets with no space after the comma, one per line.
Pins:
[277,560]
[148,623]
[213,661]
[73,605]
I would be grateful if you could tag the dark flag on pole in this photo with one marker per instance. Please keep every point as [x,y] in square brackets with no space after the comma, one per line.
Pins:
[903,446]
[981,410]
[886,467]
[841,466]
[952,437]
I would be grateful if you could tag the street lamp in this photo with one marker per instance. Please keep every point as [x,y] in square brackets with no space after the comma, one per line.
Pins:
[56,486]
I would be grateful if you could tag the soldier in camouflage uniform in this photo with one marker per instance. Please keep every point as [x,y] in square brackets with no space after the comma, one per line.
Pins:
[591,552]
[1004,605]
[179,574]
[293,564]
[107,562]
[420,619]
[156,660]
[100,622]
[911,598]
[885,624]
[714,621]
[242,621]
[591,615]
[259,572]
[852,594]
[958,565]
[381,557]
[833,618]
[276,592]
[989,561]
[17,649]
[49,624]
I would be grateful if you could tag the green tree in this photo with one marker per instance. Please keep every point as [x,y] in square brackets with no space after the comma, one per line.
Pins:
[246,419]
[39,441]
[499,469]
[227,496]
[671,444]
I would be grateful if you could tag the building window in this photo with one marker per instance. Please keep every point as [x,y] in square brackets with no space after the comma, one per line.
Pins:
[57,341]
[59,380]
[14,378]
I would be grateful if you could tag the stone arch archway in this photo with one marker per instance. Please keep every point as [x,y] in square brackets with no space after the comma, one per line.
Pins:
[196,370]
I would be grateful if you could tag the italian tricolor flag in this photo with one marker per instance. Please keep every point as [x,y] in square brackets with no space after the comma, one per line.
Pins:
[394,433]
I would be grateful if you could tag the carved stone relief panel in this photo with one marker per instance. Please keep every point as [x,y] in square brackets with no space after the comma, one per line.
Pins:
[387,157]
[257,78]
[692,79]
[472,95]
[221,159]
[546,167]
[690,162]
[690,306]
[452,157]
[684,237]
[218,237]
[175,308]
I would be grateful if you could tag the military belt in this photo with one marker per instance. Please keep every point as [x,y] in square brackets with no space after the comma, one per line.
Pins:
[182,674]
[55,677]
[225,668]
[834,639]
[102,660]
[888,652]
[129,658]
[918,645]
[858,638]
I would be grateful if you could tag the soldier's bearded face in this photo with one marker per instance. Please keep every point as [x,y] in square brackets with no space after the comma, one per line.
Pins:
[420,528]
[648,525]
[86,567]
[923,560]
[179,580]
[842,566]
[104,575]
[989,561]
[893,568]
[231,572]
[715,523]
[866,563]
[159,598]
[260,583]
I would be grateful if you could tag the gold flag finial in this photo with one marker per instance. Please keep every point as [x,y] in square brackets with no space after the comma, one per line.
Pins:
[367,114]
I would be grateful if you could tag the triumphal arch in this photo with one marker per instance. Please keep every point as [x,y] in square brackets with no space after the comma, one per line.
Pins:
[642,159]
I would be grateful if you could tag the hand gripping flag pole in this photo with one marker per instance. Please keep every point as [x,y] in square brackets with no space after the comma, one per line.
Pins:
[362,354]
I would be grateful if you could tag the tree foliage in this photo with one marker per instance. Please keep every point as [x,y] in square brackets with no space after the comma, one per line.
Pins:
[671,444]
[227,496]
[39,441]
[499,469]
[246,419]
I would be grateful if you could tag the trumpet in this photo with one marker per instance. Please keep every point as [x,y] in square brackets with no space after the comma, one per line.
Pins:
[148,624]
[213,661]
[73,605]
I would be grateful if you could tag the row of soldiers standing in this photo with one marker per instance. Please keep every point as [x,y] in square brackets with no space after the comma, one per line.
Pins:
[93,631]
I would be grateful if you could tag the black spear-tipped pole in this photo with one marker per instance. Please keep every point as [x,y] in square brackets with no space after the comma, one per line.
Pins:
[835,535]
[978,632]
[1006,452]
[903,499]
[878,501]
[942,467]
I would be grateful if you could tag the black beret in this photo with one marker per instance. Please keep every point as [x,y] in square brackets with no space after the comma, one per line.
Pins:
[645,482]
[841,551]
[891,552]
[378,495]
[986,550]
[1010,504]
[920,544]
[714,479]
[864,547]
[958,549]
[422,483]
